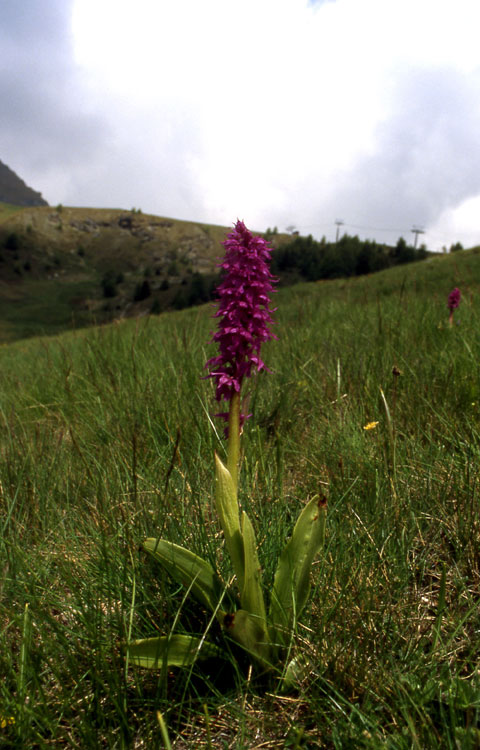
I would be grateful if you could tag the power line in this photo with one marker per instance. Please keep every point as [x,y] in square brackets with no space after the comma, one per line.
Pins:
[434,236]
[376,229]
[354,226]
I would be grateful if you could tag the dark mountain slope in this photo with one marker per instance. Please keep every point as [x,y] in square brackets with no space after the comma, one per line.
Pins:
[13,190]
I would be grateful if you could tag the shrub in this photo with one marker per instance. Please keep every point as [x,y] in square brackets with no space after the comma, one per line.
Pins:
[456,247]
[180,300]
[109,288]
[156,307]
[142,291]
[109,284]
[198,292]
[12,242]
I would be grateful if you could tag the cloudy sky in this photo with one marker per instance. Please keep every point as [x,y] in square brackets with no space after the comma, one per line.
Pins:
[279,112]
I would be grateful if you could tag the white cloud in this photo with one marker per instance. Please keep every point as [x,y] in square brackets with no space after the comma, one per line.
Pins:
[457,225]
[278,111]
[268,98]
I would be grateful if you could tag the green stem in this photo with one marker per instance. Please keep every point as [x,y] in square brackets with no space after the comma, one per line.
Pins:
[233,446]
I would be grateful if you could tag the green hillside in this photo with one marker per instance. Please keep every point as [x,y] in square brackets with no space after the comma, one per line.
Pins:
[107,436]
[68,267]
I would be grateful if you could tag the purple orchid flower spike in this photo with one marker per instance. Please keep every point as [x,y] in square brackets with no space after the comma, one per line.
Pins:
[453,302]
[453,299]
[245,315]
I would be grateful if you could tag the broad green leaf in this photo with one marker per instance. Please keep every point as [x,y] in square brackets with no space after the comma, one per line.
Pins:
[171,651]
[227,509]
[291,585]
[189,570]
[295,673]
[249,632]
[251,597]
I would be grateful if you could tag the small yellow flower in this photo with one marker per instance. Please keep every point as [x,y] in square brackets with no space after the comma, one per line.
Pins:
[5,721]
[370,426]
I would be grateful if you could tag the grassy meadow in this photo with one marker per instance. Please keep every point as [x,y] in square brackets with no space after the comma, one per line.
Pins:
[7,210]
[107,436]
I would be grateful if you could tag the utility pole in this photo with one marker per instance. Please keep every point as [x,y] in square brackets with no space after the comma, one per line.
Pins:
[416,231]
[339,223]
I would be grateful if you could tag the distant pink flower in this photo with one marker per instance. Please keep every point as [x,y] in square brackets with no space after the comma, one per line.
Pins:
[453,299]
[244,312]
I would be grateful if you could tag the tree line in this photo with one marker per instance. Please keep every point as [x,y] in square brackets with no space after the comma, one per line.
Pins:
[307,259]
